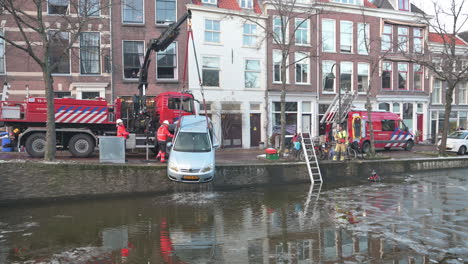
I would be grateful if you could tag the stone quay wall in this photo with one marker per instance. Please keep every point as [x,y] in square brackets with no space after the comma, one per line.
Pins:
[36,181]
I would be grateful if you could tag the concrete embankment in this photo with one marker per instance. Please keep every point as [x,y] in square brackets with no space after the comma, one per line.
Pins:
[30,181]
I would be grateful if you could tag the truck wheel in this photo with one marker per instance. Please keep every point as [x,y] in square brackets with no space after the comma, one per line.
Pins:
[409,145]
[365,147]
[81,145]
[36,145]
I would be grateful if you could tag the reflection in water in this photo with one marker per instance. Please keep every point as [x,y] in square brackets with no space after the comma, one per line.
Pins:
[421,219]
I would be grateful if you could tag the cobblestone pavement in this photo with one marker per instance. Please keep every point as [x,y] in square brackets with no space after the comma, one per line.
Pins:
[223,156]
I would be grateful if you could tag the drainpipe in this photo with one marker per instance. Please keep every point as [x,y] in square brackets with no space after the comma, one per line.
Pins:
[111,70]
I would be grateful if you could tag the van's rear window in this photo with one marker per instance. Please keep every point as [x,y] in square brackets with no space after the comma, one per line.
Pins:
[192,142]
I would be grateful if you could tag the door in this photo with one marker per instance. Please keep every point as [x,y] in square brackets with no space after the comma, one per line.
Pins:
[306,119]
[231,126]
[420,127]
[255,133]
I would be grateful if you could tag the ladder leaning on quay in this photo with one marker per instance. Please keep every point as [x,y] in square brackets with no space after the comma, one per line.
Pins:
[312,162]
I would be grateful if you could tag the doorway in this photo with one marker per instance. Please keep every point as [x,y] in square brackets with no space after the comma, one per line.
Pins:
[255,131]
[231,126]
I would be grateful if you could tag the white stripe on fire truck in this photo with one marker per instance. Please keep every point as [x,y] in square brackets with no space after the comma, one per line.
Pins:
[67,112]
[398,138]
[59,111]
[75,113]
[83,113]
[98,115]
[91,114]
[102,119]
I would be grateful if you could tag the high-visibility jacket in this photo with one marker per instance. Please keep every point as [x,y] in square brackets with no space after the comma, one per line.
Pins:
[163,133]
[341,136]
[122,132]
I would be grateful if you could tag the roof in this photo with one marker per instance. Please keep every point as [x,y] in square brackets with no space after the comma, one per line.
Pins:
[439,38]
[367,3]
[231,5]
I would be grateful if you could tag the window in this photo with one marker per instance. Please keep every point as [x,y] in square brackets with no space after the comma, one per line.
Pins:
[59,56]
[384,106]
[211,2]
[212,31]
[328,83]
[363,38]
[462,92]
[165,11]
[90,48]
[302,32]
[396,108]
[187,104]
[418,76]
[250,35]
[89,95]
[353,2]
[2,53]
[346,36]
[291,117]
[328,35]
[246,4]
[132,12]
[363,77]
[210,71]
[403,5]
[403,39]
[277,66]
[388,125]
[387,75]
[387,38]
[57,7]
[408,115]
[302,67]
[402,76]
[132,58]
[346,73]
[167,63]
[279,36]
[417,40]
[61,94]
[89,7]
[437,92]
[252,74]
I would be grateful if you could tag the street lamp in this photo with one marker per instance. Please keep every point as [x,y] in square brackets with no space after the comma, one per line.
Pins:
[332,76]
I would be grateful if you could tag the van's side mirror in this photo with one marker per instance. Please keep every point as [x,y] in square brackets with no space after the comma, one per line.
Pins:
[169,145]
[216,145]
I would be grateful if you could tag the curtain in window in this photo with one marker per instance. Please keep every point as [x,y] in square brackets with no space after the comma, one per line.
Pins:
[90,53]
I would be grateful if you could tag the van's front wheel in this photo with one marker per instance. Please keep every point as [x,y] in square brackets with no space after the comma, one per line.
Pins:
[409,145]
[366,147]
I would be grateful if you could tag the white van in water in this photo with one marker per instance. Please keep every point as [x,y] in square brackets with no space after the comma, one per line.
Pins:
[192,157]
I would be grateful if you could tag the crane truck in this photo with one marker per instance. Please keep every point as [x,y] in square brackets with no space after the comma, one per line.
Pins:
[79,123]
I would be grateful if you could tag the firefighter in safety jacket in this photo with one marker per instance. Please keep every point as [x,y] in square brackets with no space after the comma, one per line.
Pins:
[341,141]
[121,131]
[162,135]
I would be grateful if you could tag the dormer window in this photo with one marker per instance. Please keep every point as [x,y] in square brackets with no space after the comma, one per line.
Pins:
[403,5]
[210,2]
[247,4]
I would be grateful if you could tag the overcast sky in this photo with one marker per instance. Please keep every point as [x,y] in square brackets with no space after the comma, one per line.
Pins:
[427,6]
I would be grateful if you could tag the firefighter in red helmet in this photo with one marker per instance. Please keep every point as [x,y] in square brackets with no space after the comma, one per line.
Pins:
[162,135]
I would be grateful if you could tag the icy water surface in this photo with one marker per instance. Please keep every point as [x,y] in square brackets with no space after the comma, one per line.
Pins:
[421,218]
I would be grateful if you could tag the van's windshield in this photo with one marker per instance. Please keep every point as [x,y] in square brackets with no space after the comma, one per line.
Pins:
[192,142]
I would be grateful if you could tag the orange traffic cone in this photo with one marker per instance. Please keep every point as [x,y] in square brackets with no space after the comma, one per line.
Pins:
[159,155]
[163,157]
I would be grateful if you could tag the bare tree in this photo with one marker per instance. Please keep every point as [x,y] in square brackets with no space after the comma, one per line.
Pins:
[285,19]
[48,40]
[446,61]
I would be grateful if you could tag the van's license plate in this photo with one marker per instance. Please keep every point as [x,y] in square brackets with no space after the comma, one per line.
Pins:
[190,177]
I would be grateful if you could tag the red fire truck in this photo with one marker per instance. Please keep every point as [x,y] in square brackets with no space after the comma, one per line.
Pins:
[80,122]
[389,130]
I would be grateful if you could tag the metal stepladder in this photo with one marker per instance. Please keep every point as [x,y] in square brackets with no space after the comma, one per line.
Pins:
[331,116]
[311,158]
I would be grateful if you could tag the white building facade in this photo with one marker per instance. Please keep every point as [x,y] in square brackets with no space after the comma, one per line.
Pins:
[230,48]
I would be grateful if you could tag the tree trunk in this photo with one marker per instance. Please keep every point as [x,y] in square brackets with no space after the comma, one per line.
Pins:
[448,109]
[50,134]
[283,105]
[369,118]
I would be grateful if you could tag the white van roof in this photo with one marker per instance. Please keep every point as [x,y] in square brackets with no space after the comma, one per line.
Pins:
[194,123]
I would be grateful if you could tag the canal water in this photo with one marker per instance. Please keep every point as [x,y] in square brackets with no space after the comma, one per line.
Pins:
[420,218]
